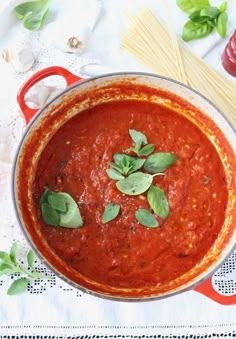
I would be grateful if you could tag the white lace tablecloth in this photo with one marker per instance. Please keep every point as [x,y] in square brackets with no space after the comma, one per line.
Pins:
[52,308]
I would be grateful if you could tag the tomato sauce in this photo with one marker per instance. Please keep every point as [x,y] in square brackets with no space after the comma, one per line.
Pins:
[123,253]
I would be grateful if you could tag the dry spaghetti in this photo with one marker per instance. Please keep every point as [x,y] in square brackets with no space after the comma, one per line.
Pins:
[166,54]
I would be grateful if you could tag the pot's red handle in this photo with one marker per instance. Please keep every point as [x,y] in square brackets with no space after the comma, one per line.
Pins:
[44,73]
[208,290]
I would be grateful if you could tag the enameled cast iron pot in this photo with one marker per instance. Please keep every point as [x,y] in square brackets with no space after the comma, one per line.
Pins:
[88,93]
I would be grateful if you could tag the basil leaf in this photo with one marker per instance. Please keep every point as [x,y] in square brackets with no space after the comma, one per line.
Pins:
[57,202]
[221,24]
[121,158]
[159,162]
[146,218]
[158,202]
[136,164]
[35,21]
[6,259]
[116,167]
[127,163]
[194,30]
[13,252]
[223,6]
[30,259]
[3,255]
[60,209]
[138,137]
[50,216]
[135,184]
[110,213]
[18,286]
[72,218]
[146,150]
[114,175]
[211,12]
[190,6]
[6,269]
[32,13]
[44,196]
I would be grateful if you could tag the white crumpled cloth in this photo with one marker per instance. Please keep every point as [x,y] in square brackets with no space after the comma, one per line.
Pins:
[53,308]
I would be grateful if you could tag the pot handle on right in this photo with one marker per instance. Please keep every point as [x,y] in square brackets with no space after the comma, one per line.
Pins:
[44,73]
[208,290]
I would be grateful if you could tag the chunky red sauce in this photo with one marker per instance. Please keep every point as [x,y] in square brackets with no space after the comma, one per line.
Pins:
[123,253]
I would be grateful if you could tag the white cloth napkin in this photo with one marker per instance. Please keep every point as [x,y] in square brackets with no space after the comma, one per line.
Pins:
[54,308]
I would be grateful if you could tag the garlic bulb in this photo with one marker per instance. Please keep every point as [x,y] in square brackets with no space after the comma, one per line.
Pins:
[21,57]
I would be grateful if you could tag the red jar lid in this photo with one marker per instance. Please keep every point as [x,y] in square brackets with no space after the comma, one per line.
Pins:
[229,56]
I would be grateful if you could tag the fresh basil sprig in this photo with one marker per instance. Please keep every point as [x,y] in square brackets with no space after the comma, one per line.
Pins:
[139,140]
[33,13]
[9,265]
[131,180]
[60,209]
[203,18]
[110,213]
[124,164]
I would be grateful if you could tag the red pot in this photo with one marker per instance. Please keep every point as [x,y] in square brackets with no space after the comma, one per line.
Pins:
[87,93]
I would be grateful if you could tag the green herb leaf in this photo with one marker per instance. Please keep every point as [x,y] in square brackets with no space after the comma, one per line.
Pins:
[211,12]
[18,286]
[60,209]
[30,259]
[135,184]
[221,24]
[6,269]
[223,6]
[136,164]
[44,196]
[33,13]
[110,213]
[146,150]
[116,167]
[138,137]
[3,255]
[50,216]
[146,218]
[194,30]
[114,175]
[159,162]
[158,202]
[126,164]
[195,16]
[72,218]
[13,252]
[190,6]
[57,202]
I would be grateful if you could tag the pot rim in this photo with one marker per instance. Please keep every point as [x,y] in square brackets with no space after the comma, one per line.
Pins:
[27,236]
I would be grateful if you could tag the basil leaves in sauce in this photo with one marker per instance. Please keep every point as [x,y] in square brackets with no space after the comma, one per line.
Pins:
[60,209]
[131,179]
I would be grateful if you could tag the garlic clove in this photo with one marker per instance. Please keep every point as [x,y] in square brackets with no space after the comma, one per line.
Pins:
[21,57]
[70,38]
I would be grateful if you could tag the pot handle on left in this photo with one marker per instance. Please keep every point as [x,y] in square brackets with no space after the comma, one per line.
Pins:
[44,73]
